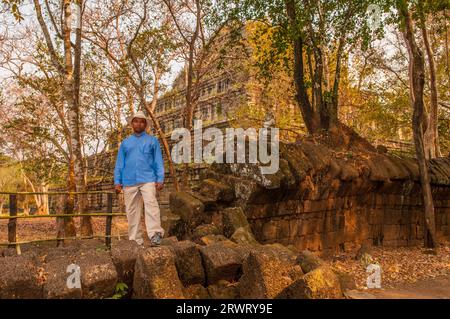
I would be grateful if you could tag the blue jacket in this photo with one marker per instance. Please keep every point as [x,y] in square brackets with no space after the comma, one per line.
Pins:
[139,160]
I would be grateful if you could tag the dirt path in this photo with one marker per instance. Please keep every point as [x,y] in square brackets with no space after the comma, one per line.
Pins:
[400,267]
[436,288]
[425,289]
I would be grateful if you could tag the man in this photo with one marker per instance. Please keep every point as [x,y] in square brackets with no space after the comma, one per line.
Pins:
[139,172]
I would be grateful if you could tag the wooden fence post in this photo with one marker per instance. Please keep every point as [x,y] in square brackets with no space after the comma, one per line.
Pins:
[12,223]
[109,221]
[61,204]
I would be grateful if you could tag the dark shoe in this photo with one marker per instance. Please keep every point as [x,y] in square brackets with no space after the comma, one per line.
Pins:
[156,239]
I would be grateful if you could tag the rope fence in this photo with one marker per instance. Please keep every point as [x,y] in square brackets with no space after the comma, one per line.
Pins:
[13,219]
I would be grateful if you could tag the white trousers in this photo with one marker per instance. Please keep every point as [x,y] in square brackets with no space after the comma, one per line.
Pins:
[135,197]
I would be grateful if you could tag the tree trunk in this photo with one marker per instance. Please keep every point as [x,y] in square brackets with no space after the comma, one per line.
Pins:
[42,204]
[432,131]
[72,105]
[71,93]
[417,81]
[337,77]
[190,106]
[69,203]
[311,118]
[41,200]
[26,207]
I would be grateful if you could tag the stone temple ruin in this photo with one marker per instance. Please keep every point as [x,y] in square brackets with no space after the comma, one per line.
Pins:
[239,234]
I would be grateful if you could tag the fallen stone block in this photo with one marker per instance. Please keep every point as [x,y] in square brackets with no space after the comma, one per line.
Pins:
[308,261]
[292,248]
[169,241]
[155,275]
[57,277]
[189,208]
[282,252]
[98,275]
[124,254]
[243,235]
[295,272]
[232,219]
[211,239]
[320,283]
[60,252]
[266,272]
[209,203]
[189,263]
[205,230]
[220,262]
[171,223]
[241,249]
[216,190]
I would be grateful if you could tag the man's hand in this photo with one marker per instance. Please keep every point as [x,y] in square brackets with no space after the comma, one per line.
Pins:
[118,188]
[159,186]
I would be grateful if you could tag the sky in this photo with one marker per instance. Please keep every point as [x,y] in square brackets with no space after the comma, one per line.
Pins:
[27,11]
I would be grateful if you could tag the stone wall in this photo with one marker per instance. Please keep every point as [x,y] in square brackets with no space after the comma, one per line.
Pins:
[389,219]
[324,200]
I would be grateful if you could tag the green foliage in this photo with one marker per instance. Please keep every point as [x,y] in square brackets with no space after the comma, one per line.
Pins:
[270,83]
[121,291]
[444,131]
[341,19]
